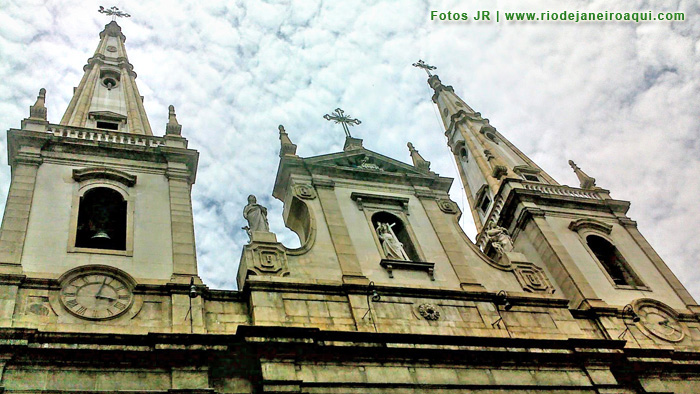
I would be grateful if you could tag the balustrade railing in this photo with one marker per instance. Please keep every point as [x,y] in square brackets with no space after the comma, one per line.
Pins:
[106,136]
[561,190]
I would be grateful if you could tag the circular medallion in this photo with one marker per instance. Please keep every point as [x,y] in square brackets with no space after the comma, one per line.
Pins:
[429,311]
[659,321]
[96,293]
[111,48]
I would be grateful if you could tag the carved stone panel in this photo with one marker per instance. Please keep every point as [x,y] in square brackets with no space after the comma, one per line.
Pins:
[265,258]
[305,192]
[531,277]
[448,206]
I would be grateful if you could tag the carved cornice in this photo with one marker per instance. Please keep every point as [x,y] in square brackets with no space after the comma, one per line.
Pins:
[627,222]
[323,183]
[364,198]
[104,173]
[593,224]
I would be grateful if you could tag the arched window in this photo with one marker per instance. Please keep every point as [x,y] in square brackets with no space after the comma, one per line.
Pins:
[101,220]
[399,230]
[613,262]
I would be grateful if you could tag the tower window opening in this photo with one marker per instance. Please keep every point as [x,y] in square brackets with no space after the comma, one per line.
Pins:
[613,262]
[464,155]
[110,78]
[107,125]
[484,205]
[101,220]
[109,83]
[399,230]
[531,178]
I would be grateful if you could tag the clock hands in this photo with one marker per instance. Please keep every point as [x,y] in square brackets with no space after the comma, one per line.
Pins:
[101,287]
[665,323]
[99,295]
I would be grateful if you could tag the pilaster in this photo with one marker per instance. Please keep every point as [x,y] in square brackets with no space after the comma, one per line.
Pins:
[19,202]
[347,256]
[560,264]
[451,244]
[663,269]
[182,224]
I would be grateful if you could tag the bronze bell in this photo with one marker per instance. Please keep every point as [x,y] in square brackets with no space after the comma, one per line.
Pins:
[101,234]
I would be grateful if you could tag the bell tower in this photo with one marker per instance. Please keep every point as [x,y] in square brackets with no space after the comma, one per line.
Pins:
[581,235]
[98,188]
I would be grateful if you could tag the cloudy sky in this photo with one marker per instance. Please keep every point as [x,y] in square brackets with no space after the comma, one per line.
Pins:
[619,98]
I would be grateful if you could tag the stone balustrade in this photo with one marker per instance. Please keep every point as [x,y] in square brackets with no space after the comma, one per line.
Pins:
[106,136]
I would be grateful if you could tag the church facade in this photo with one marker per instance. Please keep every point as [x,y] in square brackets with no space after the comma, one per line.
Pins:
[99,290]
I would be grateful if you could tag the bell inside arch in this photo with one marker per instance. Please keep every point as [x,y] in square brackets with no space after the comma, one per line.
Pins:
[101,234]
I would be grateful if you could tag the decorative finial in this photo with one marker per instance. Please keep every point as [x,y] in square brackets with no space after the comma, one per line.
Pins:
[418,161]
[38,110]
[114,12]
[586,181]
[339,117]
[287,148]
[173,127]
[425,66]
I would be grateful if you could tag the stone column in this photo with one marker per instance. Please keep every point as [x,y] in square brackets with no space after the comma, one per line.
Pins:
[85,99]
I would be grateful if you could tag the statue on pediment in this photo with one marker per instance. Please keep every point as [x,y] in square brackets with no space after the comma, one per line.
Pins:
[256,215]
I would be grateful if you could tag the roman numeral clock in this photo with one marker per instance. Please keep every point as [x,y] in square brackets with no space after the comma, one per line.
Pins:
[96,292]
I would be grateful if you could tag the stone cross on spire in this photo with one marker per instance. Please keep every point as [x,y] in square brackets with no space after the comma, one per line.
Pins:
[114,12]
[425,66]
[339,117]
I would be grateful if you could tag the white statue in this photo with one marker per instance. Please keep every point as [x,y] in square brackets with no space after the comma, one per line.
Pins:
[499,238]
[393,248]
[256,215]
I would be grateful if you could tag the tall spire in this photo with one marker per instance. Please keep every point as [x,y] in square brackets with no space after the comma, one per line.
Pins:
[107,97]
[485,158]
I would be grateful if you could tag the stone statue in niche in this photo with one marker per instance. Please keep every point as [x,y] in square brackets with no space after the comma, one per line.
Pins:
[256,215]
[393,248]
[499,238]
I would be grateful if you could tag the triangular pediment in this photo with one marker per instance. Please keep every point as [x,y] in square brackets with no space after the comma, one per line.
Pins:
[365,161]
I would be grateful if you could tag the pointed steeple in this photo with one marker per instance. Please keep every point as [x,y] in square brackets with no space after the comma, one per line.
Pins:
[107,97]
[586,181]
[485,158]
[418,161]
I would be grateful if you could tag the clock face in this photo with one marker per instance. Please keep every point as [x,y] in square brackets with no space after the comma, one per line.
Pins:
[660,323]
[96,295]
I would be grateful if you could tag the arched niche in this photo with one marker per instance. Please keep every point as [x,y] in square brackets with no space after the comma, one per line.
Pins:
[612,261]
[102,220]
[399,229]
